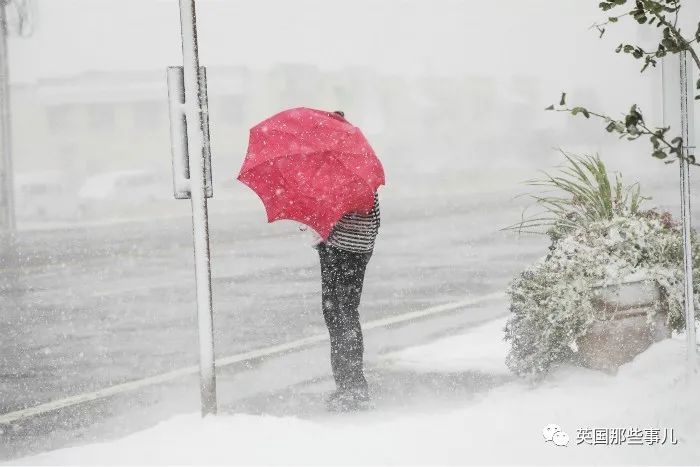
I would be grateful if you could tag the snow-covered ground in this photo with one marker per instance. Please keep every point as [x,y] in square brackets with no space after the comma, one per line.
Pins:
[503,425]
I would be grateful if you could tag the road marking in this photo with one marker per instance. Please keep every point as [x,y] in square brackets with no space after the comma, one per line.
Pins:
[230,360]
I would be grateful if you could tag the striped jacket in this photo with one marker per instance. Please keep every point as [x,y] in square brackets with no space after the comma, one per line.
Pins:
[356,232]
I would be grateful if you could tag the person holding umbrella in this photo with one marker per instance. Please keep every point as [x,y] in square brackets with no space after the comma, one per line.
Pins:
[344,257]
[315,167]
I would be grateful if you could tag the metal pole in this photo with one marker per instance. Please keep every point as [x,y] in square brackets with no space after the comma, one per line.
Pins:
[8,247]
[200,223]
[7,211]
[688,135]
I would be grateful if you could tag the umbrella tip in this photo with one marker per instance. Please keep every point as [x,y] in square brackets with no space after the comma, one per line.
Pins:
[339,112]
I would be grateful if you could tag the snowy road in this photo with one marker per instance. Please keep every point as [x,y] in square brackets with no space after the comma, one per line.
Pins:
[90,308]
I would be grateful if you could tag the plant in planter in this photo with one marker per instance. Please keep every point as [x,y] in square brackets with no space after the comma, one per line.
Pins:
[572,304]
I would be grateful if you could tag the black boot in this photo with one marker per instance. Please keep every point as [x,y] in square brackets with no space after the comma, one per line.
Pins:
[349,400]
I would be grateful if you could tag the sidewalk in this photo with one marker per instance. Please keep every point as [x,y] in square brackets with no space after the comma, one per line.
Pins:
[243,382]
[448,401]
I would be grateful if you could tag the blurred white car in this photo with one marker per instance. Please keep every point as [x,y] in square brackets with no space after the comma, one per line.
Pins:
[45,196]
[126,193]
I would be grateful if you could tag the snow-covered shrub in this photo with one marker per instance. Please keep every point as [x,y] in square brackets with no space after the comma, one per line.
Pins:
[552,300]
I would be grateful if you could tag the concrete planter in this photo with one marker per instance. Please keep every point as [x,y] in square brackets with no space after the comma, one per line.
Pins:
[624,332]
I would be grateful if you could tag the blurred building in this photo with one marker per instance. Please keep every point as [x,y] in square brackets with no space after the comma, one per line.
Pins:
[99,122]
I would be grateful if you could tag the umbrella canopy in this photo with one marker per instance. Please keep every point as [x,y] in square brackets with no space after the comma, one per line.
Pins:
[311,166]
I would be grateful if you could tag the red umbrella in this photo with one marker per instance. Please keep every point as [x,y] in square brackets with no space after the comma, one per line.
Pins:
[311,166]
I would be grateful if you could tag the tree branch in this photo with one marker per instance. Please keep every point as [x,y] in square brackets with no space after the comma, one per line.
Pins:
[679,37]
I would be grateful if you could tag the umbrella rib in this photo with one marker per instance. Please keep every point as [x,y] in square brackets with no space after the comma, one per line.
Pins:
[362,180]
[331,156]
[284,156]
[320,151]
[343,136]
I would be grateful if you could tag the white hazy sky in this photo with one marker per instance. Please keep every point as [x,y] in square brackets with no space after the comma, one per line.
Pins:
[550,39]
[446,36]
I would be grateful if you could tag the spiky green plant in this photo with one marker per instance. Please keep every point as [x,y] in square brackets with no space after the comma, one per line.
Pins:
[579,193]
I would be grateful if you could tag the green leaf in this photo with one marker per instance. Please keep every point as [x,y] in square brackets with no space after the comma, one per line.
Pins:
[661,132]
[562,101]
[578,110]
[634,112]
[670,44]
[659,154]
[613,19]
[551,107]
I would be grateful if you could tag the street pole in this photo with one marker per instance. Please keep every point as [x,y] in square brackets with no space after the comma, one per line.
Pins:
[7,210]
[194,115]
[678,113]
[688,135]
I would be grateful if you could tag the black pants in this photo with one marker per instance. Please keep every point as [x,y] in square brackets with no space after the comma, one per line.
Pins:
[342,276]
